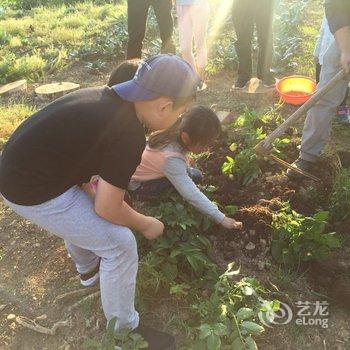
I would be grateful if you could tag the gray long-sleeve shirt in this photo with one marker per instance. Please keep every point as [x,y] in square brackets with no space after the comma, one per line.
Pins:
[175,170]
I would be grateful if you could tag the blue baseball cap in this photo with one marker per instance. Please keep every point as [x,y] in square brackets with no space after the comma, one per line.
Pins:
[160,75]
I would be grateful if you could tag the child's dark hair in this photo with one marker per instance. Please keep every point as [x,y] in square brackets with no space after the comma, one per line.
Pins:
[200,123]
[124,72]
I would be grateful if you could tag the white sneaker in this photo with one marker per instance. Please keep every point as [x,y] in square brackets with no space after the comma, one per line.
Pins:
[91,278]
[90,281]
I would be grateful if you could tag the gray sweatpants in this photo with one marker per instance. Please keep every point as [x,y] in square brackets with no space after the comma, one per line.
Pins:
[88,237]
[318,123]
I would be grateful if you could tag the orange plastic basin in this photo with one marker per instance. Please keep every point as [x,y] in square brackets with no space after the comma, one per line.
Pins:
[296,89]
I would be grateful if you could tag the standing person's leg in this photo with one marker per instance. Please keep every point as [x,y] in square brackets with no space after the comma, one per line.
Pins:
[242,15]
[318,68]
[185,34]
[264,20]
[162,10]
[343,104]
[317,125]
[71,216]
[137,18]
[200,17]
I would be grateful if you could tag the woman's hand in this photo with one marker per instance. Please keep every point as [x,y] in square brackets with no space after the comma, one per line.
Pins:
[232,224]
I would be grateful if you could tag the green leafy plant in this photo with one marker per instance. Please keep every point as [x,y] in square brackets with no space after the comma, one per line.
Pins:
[232,314]
[181,256]
[125,339]
[245,164]
[299,239]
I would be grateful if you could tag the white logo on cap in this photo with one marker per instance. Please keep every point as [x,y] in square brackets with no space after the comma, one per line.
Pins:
[143,64]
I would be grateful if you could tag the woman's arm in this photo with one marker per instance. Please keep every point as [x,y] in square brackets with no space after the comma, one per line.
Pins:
[175,169]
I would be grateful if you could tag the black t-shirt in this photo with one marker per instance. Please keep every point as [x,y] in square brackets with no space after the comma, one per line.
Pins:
[87,132]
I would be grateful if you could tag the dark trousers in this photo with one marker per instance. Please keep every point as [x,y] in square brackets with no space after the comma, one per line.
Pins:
[248,14]
[155,188]
[318,72]
[137,18]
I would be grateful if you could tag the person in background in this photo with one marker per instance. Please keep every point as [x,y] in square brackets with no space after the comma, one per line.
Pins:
[324,41]
[248,14]
[137,19]
[318,123]
[193,17]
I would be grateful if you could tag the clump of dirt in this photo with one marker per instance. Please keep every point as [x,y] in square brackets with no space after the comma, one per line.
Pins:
[256,217]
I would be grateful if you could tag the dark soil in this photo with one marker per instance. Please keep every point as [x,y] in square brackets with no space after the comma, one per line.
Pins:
[262,198]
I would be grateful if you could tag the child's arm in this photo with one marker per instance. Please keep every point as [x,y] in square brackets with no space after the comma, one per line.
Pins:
[175,169]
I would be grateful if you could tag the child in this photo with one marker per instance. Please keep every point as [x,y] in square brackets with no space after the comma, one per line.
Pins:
[324,41]
[124,72]
[164,162]
[88,132]
[193,17]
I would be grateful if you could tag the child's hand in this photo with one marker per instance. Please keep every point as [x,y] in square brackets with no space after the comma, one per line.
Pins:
[232,224]
[153,228]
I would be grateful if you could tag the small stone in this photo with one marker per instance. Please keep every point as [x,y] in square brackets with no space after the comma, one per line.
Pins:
[205,293]
[263,243]
[345,334]
[261,265]
[252,232]
[233,244]
[250,246]
[37,245]
[225,117]
[11,317]
[41,317]
[317,339]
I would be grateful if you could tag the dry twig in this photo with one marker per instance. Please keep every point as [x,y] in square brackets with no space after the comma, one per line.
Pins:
[28,323]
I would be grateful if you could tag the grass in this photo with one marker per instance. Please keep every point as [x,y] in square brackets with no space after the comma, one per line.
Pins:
[28,39]
[309,31]
[88,27]
[11,116]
